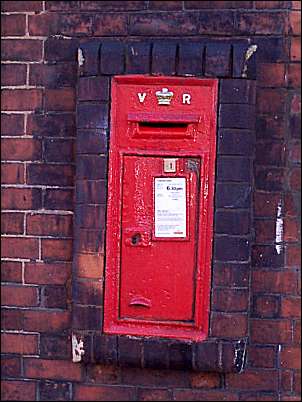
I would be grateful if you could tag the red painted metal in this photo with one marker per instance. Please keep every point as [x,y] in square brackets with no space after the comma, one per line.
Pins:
[159,286]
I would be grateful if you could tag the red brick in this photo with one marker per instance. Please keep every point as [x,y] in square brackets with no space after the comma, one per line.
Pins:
[271,101]
[295,153]
[295,179]
[90,266]
[165,5]
[21,198]
[12,319]
[228,325]
[205,380]
[286,380]
[13,25]
[217,4]
[60,99]
[23,296]
[290,205]
[13,74]
[293,256]
[151,394]
[290,357]
[25,149]
[265,306]
[49,225]
[291,229]
[12,223]
[45,24]
[15,247]
[266,204]
[295,49]
[295,106]
[48,174]
[22,49]
[297,332]
[294,75]
[265,231]
[289,398]
[271,126]
[104,374]
[21,6]
[60,250]
[52,76]
[52,369]
[19,343]
[259,23]
[11,271]
[10,366]
[270,153]
[42,273]
[104,393]
[54,297]
[270,331]
[110,24]
[262,356]
[230,300]
[295,22]
[76,24]
[254,396]
[271,74]
[111,5]
[21,99]
[12,173]
[271,4]
[275,282]
[12,124]
[200,395]
[18,390]
[291,307]
[59,199]
[297,382]
[46,321]
[296,5]
[260,380]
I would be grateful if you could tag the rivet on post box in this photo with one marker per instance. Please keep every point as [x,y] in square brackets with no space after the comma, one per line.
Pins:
[160,206]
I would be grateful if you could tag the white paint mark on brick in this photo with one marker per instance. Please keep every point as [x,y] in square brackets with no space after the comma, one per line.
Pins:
[77,349]
[81,58]
[279,228]
[249,53]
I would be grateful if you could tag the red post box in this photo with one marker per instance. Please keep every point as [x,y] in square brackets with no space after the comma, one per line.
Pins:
[160,206]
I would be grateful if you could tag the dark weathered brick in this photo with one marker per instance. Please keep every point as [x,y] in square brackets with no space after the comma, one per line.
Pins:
[54,297]
[87,318]
[261,23]
[50,174]
[91,192]
[54,391]
[217,61]
[237,91]
[58,150]
[216,22]
[91,167]
[55,346]
[89,57]
[113,5]
[129,352]
[230,300]
[236,142]
[105,349]
[110,24]
[237,116]
[91,141]
[233,195]
[61,49]
[90,216]
[112,58]
[13,74]
[267,256]
[138,58]
[163,58]
[90,241]
[269,178]
[180,355]
[92,115]
[53,75]
[231,274]
[89,293]
[93,89]
[190,58]
[155,354]
[270,153]
[228,248]
[234,169]
[206,356]
[232,222]
[51,125]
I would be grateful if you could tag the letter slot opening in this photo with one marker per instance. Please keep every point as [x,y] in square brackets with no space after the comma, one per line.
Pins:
[164,129]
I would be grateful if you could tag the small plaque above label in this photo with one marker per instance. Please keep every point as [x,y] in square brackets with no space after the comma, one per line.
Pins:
[169,165]
[170,207]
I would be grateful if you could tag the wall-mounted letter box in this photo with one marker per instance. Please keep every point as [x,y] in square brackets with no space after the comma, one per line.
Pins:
[160,206]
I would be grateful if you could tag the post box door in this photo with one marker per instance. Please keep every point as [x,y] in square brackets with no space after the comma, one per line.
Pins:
[160,199]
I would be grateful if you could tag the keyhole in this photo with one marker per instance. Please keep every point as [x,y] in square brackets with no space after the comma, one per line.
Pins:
[135,239]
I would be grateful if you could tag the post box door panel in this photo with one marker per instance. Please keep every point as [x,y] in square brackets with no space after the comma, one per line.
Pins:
[158,239]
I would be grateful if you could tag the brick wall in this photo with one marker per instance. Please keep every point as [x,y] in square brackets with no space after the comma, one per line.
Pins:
[39,73]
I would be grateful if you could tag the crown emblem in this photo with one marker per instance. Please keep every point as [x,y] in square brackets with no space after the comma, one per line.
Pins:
[164,96]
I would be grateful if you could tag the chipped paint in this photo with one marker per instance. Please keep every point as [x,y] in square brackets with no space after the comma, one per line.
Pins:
[77,349]
[279,228]
[81,58]
[249,53]
[240,353]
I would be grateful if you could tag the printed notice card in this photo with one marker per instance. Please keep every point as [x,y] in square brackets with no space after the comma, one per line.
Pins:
[170,206]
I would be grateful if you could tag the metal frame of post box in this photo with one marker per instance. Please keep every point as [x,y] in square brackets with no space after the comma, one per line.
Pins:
[204,148]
